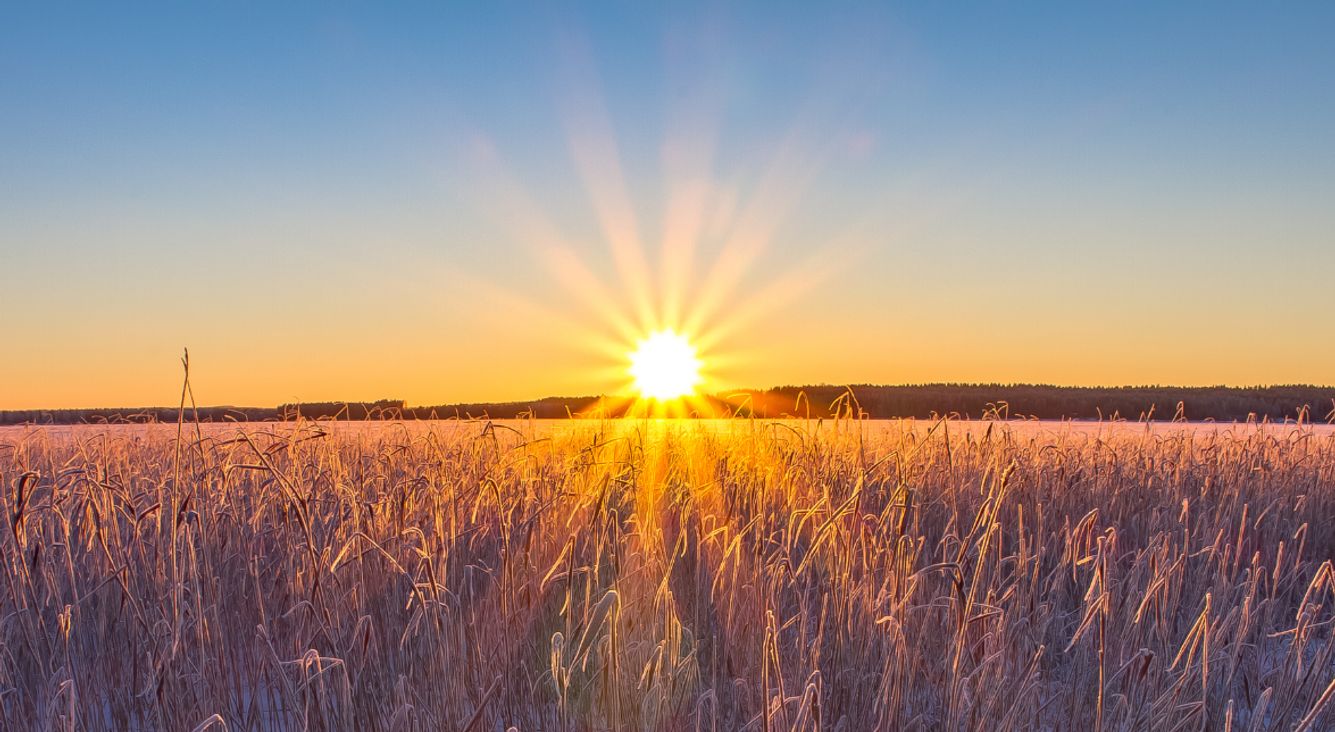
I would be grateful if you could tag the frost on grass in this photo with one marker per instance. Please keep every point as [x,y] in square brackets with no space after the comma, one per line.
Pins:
[655,575]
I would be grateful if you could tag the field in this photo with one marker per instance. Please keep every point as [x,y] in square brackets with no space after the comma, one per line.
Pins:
[642,575]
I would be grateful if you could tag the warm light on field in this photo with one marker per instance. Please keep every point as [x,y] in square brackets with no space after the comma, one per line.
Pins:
[665,366]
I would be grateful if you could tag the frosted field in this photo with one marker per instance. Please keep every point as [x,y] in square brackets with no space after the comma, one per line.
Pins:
[668,575]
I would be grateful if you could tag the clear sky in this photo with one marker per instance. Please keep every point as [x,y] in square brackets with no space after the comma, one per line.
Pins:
[490,201]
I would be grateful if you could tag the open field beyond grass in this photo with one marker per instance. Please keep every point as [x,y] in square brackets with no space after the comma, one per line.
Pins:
[642,575]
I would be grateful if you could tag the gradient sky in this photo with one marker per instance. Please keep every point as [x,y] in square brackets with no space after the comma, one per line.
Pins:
[487,201]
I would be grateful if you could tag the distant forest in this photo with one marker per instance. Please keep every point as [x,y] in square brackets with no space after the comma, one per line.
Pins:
[968,401]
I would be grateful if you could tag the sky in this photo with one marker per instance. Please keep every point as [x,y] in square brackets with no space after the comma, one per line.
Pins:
[450,202]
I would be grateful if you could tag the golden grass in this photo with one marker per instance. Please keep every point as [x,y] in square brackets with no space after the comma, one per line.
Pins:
[644,575]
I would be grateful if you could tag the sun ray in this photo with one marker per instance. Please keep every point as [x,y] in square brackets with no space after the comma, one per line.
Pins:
[522,219]
[593,146]
[780,291]
[687,155]
[702,302]
[753,229]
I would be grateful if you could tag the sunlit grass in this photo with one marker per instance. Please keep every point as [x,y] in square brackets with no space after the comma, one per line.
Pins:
[644,575]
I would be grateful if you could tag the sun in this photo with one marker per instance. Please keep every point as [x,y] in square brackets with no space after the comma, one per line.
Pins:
[665,366]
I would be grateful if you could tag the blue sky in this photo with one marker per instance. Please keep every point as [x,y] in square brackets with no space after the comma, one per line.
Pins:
[316,199]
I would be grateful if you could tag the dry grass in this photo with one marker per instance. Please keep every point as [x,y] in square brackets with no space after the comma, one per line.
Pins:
[767,576]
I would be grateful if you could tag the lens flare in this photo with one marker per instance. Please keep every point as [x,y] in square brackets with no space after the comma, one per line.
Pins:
[665,366]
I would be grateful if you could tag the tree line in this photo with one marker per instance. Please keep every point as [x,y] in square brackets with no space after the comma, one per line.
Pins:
[966,401]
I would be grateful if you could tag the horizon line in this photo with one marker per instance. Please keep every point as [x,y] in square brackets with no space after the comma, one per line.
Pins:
[403,403]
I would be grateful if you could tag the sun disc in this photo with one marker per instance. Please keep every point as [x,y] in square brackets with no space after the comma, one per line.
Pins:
[665,366]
